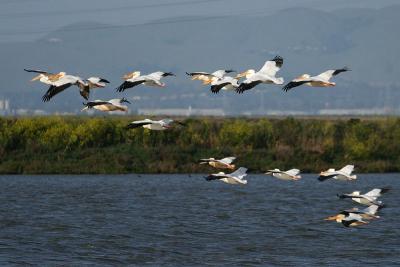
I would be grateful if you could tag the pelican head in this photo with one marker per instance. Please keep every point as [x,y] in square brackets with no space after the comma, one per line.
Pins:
[124,100]
[245,74]
[131,75]
[231,166]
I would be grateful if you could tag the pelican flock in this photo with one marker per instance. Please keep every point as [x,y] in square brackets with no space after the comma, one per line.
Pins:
[220,81]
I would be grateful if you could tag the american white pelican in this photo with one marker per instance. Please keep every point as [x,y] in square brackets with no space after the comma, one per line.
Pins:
[285,175]
[206,77]
[152,79]
[62,84]
[225,163]
[265,75]
[91,83]
[224,83]
[366,214]
[321,80]
[344,174]
[235,177]
[369,198]
[46,77]
[110,105]
[349,219]
[160,125]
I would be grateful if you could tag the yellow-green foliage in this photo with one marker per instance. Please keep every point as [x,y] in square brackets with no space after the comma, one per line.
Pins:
[103,144]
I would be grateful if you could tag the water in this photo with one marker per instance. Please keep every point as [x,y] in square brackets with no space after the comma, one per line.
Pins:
[181,220]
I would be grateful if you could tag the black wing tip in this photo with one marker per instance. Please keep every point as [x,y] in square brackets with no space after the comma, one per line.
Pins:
[104,80]
[168,74]
[385,190]
[187,73]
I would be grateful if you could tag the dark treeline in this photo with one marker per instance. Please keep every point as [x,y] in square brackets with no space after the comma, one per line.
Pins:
[72,145]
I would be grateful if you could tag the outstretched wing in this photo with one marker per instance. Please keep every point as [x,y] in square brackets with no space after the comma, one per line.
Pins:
[37,71]
[216,88]
[239,173]
[271,67]
[327,75]
[247,86]
[133,125]
[53,90]
[127,84]
[227,160]
[293,172]
[293,84]
[91,104]
[348,169]
[376,192]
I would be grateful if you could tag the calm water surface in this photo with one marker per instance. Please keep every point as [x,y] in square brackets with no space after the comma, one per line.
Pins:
[181,220]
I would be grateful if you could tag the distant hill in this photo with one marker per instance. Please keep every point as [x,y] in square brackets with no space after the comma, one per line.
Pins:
[309,40]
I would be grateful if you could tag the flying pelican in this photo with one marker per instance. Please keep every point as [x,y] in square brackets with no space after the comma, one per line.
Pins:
[285,175]
[152,79]
[367,213]
[265,75]
[154,125]
[224,83]
[110,105]
[369,198]
[344,174]
[225,163]
[321,80]
[62,84]
[206,77]
[235,177]
[46,77]
[91,83]
[349,219]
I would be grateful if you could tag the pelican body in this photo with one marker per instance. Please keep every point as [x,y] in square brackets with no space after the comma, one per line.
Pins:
[206,77]
[134,79]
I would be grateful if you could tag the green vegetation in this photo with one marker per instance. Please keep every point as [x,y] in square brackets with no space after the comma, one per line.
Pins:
[69,145]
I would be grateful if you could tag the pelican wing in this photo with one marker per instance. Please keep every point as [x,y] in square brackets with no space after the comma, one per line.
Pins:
[327,75]
[227,160]
[372,210]
[239,173]
[91,104]
[37,71]
[244,86]
[271,67]
[294,84]
[348,169]
[53,90]
[216,88]
[376,192]
[137,124]
[129,84]
[293,172]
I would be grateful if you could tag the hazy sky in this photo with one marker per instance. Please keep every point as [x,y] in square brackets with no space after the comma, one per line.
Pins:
[25,20]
